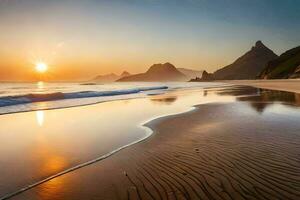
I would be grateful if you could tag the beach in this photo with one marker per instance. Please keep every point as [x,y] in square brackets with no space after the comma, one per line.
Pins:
[149,100]
[242,149]
[52,142]
[290,85]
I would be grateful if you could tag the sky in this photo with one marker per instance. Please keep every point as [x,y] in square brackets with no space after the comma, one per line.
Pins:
[81,39]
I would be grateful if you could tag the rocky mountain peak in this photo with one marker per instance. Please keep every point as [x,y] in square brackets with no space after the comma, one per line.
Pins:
[259,45]
[125,73]
[157,68]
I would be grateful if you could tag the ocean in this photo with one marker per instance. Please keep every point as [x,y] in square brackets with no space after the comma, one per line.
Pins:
[22,97]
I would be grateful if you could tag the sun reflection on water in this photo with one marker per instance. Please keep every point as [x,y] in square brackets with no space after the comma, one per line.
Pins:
[40,85]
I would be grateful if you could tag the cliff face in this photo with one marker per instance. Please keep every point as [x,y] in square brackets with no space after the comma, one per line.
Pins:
[287,65]
[247,66]
[157,72]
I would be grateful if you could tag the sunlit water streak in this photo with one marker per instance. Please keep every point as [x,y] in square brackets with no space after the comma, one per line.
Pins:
[40,117]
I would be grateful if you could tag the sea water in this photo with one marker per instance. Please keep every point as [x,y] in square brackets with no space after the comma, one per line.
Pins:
[20,97]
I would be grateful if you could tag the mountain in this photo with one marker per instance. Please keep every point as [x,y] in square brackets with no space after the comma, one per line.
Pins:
[205,77]
[190,73]
[247,66]
[124,74]
[110,77]
[287,65]
[106,78]
[157,72]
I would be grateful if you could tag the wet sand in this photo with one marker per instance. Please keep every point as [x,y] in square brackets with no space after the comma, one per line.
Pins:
[248,149]
[290,85]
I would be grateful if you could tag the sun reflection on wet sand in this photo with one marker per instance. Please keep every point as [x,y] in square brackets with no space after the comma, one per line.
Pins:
[53,187]
[54,163]
[40,117]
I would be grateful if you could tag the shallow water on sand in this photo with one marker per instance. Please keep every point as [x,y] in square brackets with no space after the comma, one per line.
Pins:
[36,145]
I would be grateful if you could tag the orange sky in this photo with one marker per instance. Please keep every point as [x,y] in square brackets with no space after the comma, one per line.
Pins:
[81,39]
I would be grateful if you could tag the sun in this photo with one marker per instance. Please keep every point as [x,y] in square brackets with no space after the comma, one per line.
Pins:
[41,67]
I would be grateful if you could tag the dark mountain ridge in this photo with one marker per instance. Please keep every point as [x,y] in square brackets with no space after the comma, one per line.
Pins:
[247,66]
[287,65]
[157,72]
